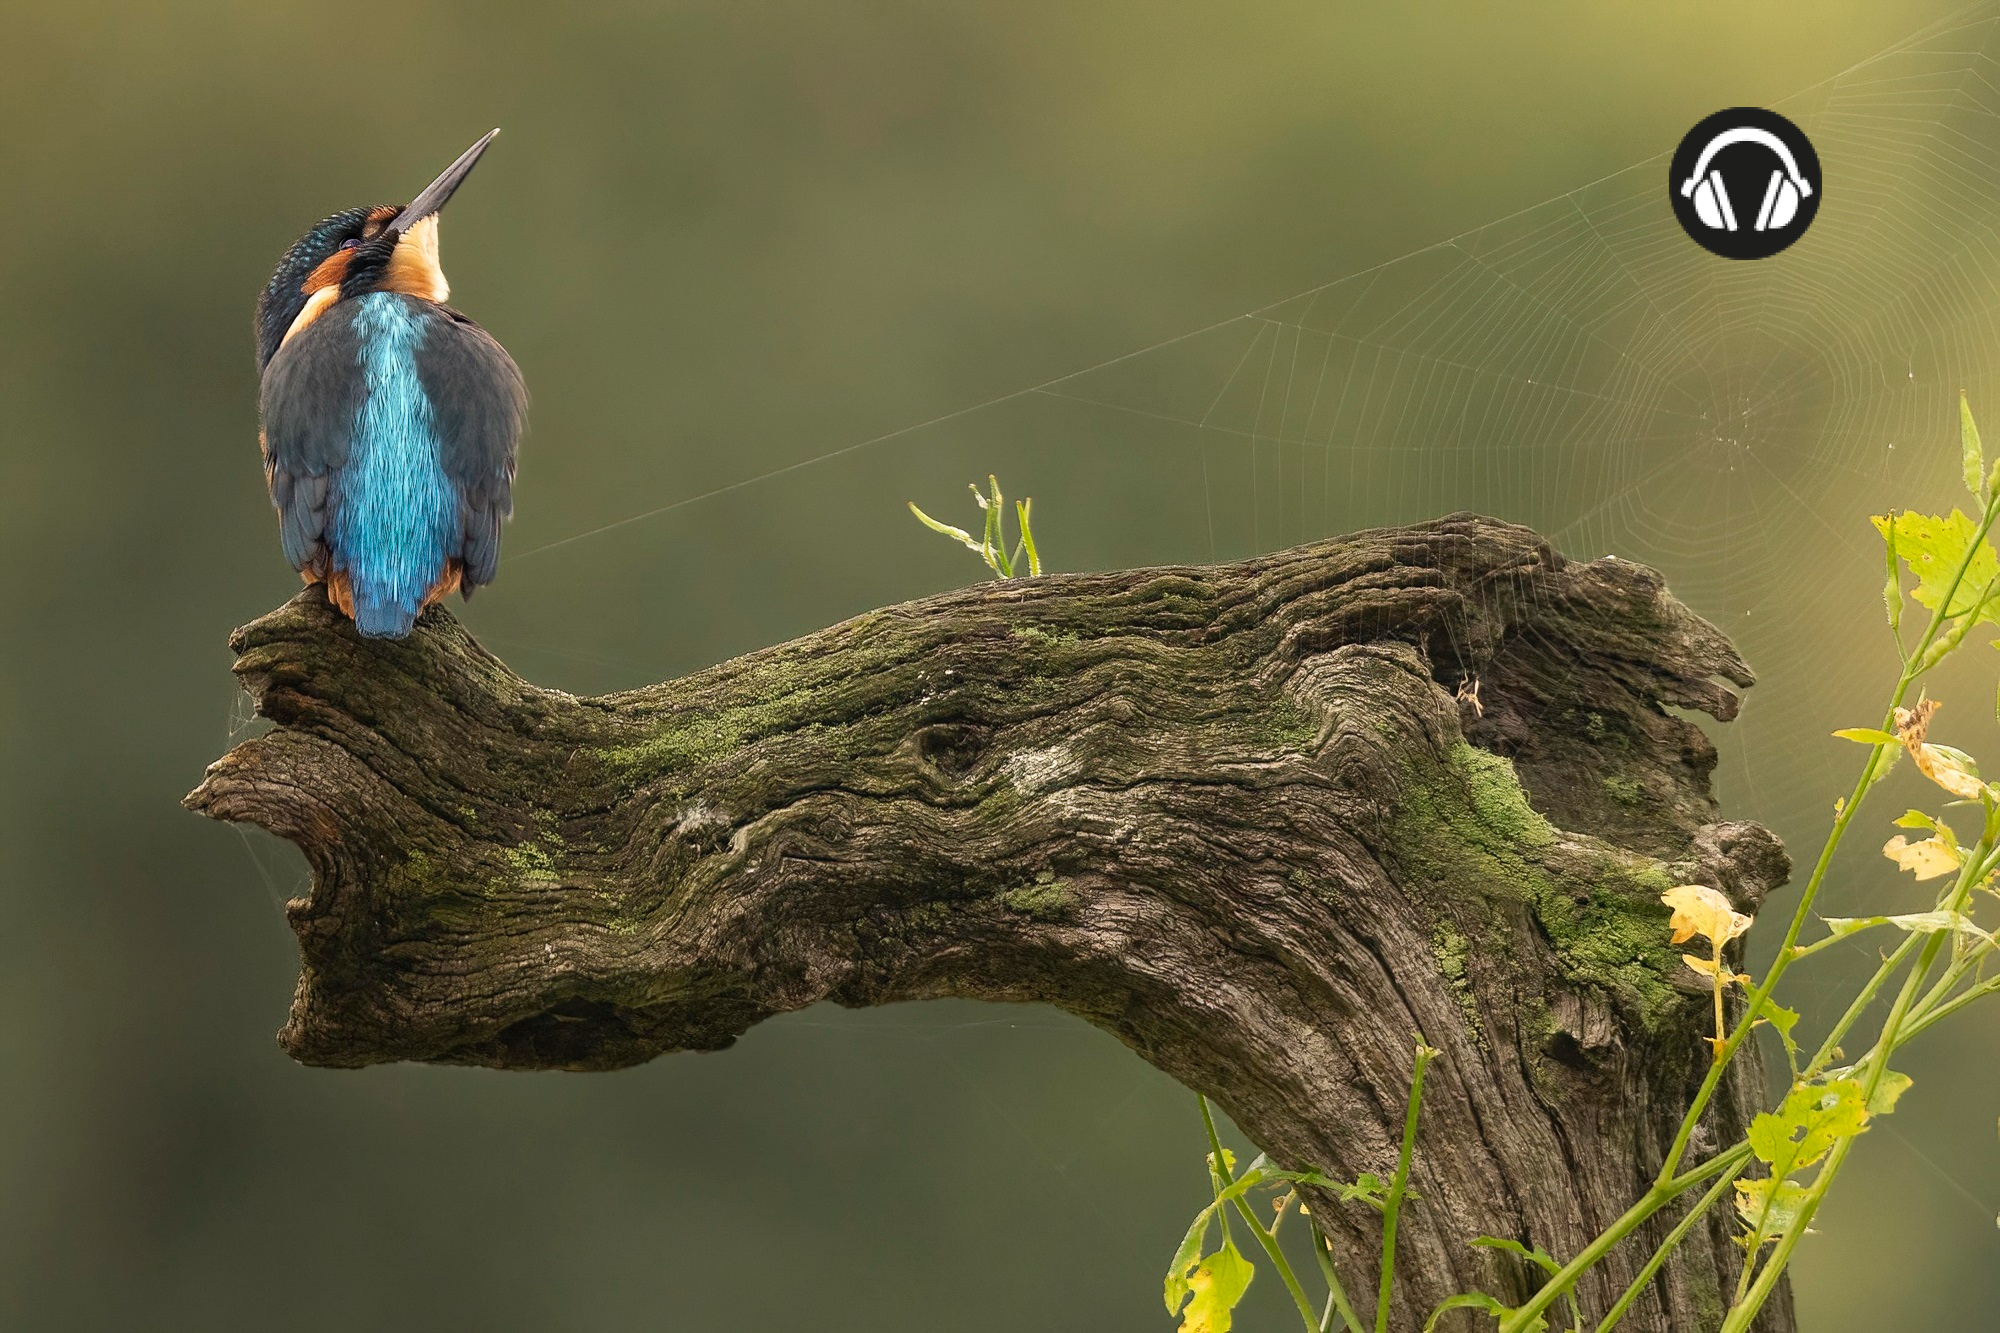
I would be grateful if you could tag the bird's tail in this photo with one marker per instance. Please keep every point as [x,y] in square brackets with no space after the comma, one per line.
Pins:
[382,613]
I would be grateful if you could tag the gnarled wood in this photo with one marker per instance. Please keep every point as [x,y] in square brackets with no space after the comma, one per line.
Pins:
[1263,821]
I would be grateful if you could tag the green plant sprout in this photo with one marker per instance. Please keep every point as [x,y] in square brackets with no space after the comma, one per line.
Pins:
[1778,1174]
[992,544]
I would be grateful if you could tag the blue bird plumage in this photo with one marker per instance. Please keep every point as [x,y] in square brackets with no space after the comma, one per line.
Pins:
[397,511]
[390,420]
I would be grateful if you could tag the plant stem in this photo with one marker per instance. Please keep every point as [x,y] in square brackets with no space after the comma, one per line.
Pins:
[1780,1171]
[1269,1241]
[1394,1203]
[1914,665]
[1667,1247]
[1220,1176]
[1022,514]
[1953,974]
[1862,1000]
[1221,1170]
[1755,1005]
[1950,1007]
[1721,1024]
[1654,1199]
[1877,1064]
[1939,1003]
[1736,1157]
[1336,1293]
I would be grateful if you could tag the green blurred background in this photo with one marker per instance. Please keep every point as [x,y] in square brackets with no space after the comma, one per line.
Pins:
[725,239]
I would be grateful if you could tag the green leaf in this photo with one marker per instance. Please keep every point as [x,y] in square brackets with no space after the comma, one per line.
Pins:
[1867,736]
[1185,1258]
[1177,1285]
[1918,819]
[1312,1178]
[1916,923]
[1888,1092]
[1975,458]
[1851,925]
[1543,1260]
[1782,1021]
[1022,510]
[1892,589]
[1813,1118]
[1886,765]
[1770,1137]
[1479,1300]
[1367,1188]
[1933,548]
[1537,1256]
[957,534]
[1218,1283]
[1769,1207]
[995,547]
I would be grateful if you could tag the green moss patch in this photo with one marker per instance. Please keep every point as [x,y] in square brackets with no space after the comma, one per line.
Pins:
[1627,792]
[1047,899]
[1469,825]
[1453,951]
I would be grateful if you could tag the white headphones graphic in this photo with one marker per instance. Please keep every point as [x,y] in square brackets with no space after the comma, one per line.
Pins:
[1781,196]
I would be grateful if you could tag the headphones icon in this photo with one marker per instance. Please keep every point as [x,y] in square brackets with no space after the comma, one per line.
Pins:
[1781,196]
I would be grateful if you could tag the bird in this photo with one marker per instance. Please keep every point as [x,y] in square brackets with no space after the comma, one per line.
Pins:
[389,421]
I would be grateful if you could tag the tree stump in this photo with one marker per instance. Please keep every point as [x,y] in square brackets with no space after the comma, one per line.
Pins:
[1264,822]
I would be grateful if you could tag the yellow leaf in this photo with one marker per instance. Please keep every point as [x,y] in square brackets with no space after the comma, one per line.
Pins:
[1926,860]
[1941,768]
[1941,765]
[1700,910]
[1218,1284]
[1710,969]
[1769,1206]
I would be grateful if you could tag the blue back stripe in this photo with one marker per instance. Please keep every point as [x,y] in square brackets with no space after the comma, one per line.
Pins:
[397,512]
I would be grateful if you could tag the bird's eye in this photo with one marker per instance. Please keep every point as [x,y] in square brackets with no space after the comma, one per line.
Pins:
[351,243]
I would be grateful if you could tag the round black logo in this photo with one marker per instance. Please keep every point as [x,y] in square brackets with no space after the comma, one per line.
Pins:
[1745,183]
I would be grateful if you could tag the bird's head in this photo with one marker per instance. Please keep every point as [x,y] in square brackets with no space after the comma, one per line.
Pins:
[384,248]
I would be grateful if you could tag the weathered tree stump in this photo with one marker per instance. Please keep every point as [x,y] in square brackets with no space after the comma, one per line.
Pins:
[1262,821]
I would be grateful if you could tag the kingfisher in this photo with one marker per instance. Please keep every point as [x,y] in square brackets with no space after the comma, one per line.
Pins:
[389,421]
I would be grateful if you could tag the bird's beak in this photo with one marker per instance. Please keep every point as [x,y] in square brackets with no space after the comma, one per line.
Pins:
[434,195]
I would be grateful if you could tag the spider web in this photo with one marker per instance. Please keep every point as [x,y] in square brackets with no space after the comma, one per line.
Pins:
[1584,368]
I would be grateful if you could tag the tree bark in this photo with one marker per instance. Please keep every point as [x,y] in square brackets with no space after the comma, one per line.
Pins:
[1265,822]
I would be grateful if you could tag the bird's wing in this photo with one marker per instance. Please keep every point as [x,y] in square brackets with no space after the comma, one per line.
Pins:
[478,407]
[313,390]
